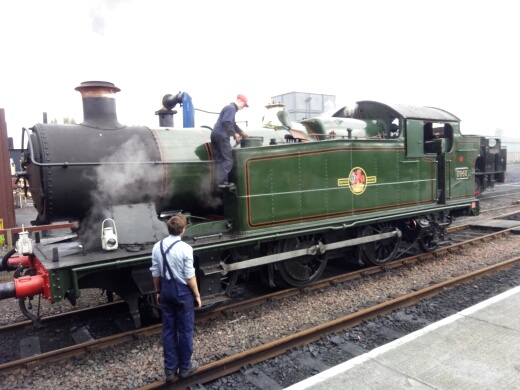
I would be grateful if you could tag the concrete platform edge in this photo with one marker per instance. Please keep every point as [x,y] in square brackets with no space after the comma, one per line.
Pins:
[322,376]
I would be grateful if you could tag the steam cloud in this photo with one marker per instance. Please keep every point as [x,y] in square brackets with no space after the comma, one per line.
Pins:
[125,177]
[207,198]
[97,14]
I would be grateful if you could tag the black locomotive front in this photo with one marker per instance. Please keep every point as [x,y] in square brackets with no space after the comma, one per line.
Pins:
[75,169]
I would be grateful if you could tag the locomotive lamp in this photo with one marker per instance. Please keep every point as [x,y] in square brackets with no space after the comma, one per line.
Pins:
[24,244]
[109,235]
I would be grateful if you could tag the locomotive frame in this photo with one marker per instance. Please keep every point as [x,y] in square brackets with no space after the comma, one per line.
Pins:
[363,184]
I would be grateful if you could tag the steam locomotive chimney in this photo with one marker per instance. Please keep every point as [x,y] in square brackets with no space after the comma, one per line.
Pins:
[99,104]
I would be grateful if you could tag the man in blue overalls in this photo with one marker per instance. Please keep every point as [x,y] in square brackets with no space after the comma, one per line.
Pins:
[177,292]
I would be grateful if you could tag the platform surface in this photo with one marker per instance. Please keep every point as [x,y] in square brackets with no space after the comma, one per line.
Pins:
[477,348]
[499,224]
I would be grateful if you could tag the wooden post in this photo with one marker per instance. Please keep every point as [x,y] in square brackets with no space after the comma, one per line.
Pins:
[6,185]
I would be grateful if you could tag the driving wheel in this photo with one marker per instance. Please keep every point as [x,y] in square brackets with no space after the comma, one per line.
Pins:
[302,270]
[382,251]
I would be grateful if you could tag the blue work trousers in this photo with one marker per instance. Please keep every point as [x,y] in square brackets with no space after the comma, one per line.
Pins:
[178,317]
[223,155]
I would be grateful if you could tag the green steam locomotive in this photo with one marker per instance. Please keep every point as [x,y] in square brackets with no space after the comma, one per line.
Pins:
[364,184]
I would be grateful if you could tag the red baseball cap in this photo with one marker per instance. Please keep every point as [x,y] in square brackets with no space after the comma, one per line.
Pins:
[243,98]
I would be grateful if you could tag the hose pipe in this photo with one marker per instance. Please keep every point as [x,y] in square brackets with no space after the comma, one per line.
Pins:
[35,320]
[4,266]
[7,290]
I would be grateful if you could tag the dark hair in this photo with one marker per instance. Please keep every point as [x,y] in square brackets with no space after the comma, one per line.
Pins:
[176,224]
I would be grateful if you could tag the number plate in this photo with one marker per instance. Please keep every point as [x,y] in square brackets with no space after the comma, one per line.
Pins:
[461,173]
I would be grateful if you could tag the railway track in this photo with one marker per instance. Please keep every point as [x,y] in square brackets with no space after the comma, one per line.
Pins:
[106,342]
[60,317]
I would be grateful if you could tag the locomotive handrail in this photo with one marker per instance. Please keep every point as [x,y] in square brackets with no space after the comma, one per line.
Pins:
[68,164]
[12,231]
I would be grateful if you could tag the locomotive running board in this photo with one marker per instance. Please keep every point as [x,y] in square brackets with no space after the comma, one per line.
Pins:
[313,250]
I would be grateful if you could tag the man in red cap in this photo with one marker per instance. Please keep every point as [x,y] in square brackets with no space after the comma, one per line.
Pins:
[223,129]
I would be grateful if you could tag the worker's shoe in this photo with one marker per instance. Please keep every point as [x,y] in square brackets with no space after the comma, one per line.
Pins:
[170,375]
[226,185]
[184,372]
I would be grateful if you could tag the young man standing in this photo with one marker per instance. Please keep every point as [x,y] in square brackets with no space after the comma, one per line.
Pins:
[177,292]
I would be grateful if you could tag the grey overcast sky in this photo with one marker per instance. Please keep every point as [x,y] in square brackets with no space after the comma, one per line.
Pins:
[461,56]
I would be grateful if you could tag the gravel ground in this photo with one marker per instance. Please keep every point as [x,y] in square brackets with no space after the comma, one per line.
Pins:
[140,362]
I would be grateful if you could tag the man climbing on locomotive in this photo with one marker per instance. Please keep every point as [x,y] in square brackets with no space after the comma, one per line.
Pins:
[224,128]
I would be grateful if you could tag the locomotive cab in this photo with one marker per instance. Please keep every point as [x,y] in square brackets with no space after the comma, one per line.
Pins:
[438,137]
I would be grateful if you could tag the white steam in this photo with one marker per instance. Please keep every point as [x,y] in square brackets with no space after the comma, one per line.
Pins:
[125,177]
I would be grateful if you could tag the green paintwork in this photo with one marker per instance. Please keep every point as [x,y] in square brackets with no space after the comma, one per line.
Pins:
[309,182]
[207,228]
[59,281]
[186,174]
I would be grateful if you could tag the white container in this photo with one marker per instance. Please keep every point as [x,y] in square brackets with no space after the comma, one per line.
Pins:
[109,235]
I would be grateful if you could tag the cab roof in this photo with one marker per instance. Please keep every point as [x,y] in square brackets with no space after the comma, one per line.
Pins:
[368,109]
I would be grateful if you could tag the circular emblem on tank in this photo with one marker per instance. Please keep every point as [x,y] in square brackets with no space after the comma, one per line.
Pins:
[357,180]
